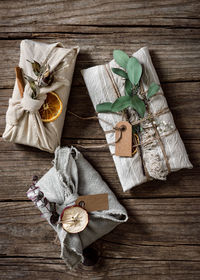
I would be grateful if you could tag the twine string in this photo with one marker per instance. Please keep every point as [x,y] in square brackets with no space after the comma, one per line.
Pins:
[157,134]
[150,117]
[126,115]
[120,129]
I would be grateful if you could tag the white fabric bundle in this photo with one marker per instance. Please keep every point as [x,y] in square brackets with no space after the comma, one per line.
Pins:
[101,89]
[70,177]
[23,121]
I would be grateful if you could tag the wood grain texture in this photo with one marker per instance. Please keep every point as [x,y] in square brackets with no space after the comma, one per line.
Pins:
[187,123]
[171,51]
[115,269]
[152,223]
[159,232]
[161,240]
[47,16]
[19,163]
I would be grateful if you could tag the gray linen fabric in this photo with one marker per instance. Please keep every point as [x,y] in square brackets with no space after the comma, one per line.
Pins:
[130,171]
[23,121]
[69,177]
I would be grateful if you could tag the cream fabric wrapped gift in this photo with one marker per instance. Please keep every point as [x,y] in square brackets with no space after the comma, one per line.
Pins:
[105,86]
[71,176]
[23,121]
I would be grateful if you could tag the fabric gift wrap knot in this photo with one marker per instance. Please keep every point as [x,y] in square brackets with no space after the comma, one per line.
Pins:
[23,121]
[160,149]
[72,176]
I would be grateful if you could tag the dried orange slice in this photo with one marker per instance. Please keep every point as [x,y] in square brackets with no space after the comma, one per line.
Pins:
[74,219]
[52,107]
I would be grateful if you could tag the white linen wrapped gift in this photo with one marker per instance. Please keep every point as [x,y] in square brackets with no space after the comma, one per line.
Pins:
[160,156]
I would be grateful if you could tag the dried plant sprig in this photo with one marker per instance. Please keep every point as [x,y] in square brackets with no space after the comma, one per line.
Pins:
[132,73]
[44,77]
[37,196]
[35,66]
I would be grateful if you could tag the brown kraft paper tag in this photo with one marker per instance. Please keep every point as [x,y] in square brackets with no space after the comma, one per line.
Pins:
[123,147]
[94,202]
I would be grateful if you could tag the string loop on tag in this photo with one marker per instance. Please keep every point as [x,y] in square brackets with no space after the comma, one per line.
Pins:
[149,117]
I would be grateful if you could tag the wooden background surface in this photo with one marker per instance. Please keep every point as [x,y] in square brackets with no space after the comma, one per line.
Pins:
[161,240]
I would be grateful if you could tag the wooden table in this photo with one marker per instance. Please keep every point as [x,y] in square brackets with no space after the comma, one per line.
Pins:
[161,239]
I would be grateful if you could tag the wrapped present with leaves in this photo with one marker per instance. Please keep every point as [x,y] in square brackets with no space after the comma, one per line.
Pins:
[77,203]
[126,93]
[36,111]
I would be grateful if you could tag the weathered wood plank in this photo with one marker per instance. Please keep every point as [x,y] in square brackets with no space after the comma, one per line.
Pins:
[19,163]
[47,16]
[161,229]
[183,99]
[161,238]
[73,31]
[116,269]
[176,57]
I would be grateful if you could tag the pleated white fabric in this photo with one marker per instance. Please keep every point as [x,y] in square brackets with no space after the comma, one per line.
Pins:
[101,89]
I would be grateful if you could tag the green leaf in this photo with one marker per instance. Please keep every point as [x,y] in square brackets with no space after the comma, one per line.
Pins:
[36,67]
[134,69]
[153,89]
[121,103]
[128,88]
[33,86]
[121,58]
[120,72]
[104,107]
[29,79]
[138,105]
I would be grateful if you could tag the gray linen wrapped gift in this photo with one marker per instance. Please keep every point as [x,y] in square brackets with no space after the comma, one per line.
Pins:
[23,121]
[69,177]
[160,157]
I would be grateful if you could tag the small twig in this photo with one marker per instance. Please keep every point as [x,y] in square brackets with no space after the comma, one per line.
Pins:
[20,80]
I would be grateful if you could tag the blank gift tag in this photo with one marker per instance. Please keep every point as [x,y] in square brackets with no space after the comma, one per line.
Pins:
[123,147]
[94,202]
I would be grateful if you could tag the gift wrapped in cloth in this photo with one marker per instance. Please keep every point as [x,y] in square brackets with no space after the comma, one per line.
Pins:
[160,149]
[70,177]
[24,124]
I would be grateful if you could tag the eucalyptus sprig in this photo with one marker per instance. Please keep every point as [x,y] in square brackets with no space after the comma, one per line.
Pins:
[132,73]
